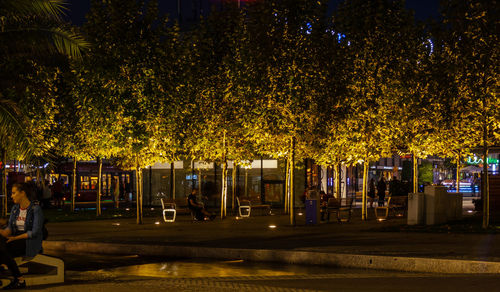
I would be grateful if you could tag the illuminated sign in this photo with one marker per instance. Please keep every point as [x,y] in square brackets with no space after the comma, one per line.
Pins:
[476,160]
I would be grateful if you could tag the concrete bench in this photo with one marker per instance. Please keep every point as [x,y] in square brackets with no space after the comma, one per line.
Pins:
[39,270]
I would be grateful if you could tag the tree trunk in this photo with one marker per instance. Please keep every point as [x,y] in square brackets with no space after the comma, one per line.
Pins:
[485,191]
[224,180]
[141,195]
[99,181]
[233,192]
[4,183]
[73,186]
[292,192]
[415,173]
[287,184]
[138,199]
[366,165]
[192,175]
[458,173]
[172,172]
[199,182]
[246,183]
[150,187]
[337,170]
[225,189]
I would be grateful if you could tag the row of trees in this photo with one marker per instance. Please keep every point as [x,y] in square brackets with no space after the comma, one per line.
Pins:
[275,78]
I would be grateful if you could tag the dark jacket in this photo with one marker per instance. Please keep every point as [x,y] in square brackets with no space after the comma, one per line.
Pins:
[381,187]
[33,227]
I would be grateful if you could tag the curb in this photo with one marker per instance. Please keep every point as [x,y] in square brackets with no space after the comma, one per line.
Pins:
[407,264]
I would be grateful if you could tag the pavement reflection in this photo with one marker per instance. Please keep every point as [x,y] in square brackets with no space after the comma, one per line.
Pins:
[186,269]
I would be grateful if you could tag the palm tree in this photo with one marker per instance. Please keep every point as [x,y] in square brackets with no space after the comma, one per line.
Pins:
[37,24]
[28,29]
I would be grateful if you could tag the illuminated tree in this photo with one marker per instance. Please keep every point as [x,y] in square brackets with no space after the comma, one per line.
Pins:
[283,75]
[329,137]
[217,85]
[122,88]
[413,110]
[472,45]
[373,30]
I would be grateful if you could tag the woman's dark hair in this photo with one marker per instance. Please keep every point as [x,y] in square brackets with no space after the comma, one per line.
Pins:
[27,187]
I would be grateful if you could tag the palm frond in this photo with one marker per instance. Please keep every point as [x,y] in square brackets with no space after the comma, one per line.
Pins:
[68,43]
[42,39]
[46,8]
[12,133]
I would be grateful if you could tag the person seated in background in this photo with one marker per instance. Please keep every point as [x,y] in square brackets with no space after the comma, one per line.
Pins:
[325,199]
[198,209]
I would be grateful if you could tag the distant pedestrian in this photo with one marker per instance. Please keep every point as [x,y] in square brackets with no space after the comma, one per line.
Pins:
[474,183]
[477,182]
[128,191]
[371,191]
[122,189]
[393,187]
[46,195]
[57,193]
[381,187]
[39,191]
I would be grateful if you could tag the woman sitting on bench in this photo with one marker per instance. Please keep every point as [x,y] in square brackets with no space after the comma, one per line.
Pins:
[23,234]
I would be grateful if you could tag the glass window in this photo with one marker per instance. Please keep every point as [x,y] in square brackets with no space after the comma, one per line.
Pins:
[84,183]
[93,182]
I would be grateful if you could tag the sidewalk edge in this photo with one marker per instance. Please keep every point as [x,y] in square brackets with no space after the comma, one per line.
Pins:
[408,264]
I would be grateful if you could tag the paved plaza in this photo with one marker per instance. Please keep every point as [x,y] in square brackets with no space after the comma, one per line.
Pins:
[356,237]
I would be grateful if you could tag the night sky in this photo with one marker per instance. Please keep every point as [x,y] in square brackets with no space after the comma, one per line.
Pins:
[78,8]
